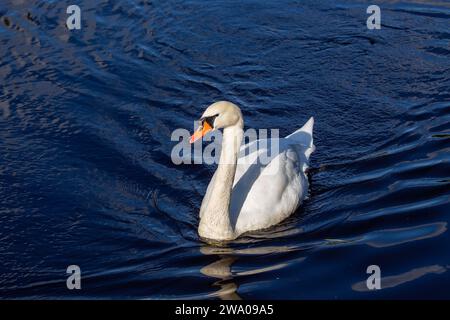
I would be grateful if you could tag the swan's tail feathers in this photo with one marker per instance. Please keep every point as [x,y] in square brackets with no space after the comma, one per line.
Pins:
[304,137]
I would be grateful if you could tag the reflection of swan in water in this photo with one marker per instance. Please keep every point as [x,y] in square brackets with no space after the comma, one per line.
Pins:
[221,269]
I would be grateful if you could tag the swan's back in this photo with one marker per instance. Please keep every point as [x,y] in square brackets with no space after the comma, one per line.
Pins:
[265,193]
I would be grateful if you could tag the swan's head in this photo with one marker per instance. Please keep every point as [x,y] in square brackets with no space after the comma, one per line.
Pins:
[219,115]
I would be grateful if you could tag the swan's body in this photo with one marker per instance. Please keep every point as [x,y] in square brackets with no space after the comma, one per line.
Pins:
[245,194]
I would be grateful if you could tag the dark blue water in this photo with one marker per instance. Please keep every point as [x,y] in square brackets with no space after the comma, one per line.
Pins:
[86,118]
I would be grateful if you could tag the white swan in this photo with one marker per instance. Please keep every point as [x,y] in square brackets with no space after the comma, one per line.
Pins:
[245,194]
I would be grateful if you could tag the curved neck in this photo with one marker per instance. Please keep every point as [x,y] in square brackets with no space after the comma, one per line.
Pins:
[215,217]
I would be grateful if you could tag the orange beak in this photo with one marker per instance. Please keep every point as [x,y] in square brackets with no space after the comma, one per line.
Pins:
[201,131]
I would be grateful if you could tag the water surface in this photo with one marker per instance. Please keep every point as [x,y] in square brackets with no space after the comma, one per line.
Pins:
[86,118]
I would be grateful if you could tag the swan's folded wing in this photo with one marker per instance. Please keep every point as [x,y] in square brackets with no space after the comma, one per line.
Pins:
[264,196]
[304,138]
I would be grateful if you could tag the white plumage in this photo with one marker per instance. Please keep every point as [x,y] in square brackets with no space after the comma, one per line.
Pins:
[246,194]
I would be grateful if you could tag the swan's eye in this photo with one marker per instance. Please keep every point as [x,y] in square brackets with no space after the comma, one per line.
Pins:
[209,120]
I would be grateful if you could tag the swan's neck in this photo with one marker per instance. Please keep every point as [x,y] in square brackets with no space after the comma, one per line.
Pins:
[215,217]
